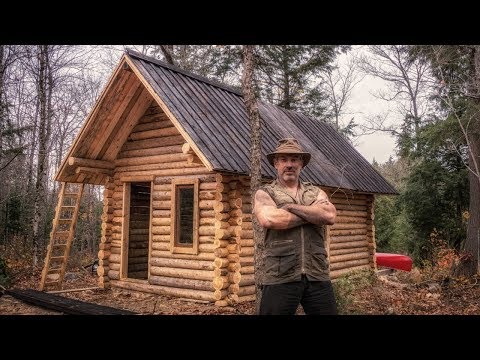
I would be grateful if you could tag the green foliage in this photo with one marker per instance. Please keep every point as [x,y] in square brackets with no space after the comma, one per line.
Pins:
[346,285]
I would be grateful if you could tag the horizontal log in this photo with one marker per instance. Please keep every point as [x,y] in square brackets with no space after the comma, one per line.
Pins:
[75,161]
[247,279]
[93,170]
[183,263]
[152,159]
[246,242]
[182,273]
[247,269]
[172,166]
[158,123]
[207,186]
[348,226]
[114,274]
[234,267]
[161,213]
[347,238]
[350,250]
[349,244]
[351,220]
[247,251]
[352,213]
[161,221]
[246,290]
[166,172]
[246,261]
[114,266]
[182,283]
[206,195]
[169,255]
[162,246]
[348,257]
[153,143]
[207,213]
[161,230]
[346,232]
[207,221]
[166,290]
[336,200]
[350,207]
[348,264]
[153,133]
[161,238]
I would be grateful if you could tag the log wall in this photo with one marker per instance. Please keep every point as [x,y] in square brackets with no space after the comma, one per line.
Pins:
[351,238]
[223,269]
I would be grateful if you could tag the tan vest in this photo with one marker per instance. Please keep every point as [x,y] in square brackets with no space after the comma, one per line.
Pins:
[300,250]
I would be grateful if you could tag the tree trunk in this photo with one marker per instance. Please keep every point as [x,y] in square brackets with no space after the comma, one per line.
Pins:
[255,158]
[469,261]
[43,132]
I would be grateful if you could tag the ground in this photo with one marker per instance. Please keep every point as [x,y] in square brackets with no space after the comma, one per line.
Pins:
[414,293]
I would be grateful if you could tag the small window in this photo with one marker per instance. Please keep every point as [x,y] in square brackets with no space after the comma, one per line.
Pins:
[184,217]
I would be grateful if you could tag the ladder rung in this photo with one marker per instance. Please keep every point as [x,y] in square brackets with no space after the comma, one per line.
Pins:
[68,206]
[57,258]
[61,233]
[64,220]
[58,245]
[56,269]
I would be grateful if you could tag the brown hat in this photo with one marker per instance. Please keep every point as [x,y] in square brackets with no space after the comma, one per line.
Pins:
[289,146]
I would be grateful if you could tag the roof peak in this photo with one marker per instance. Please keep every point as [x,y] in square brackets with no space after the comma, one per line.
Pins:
[177,69]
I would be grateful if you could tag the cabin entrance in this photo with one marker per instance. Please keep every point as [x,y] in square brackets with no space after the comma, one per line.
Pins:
[137,208]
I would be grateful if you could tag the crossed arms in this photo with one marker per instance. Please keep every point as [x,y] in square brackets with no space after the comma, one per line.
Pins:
[320,212]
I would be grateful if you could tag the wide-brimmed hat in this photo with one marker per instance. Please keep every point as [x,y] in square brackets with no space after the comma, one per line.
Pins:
[289,146]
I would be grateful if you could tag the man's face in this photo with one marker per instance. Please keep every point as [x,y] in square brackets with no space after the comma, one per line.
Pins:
[288,166]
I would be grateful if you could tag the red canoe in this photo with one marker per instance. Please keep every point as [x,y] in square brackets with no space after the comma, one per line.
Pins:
[394,261]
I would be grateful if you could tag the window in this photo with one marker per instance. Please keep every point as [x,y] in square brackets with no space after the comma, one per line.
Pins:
[184,217]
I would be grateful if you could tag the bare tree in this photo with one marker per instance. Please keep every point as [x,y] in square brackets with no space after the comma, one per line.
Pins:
[255,161]
[338,84]
[410,85]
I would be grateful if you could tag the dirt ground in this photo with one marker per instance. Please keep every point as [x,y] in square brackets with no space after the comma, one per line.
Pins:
[395,294]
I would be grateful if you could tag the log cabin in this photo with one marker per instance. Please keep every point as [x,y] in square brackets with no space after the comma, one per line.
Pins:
[172,151]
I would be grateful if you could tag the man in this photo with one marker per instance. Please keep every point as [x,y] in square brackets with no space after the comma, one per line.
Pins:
[293,214]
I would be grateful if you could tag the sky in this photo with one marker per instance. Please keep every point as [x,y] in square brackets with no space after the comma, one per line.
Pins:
[378,146]
[363,104]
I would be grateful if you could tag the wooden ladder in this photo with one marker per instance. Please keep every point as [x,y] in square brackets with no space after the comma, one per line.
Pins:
[61,236]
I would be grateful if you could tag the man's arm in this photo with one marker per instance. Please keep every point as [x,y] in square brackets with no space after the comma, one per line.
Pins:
[270,217]
[320,212]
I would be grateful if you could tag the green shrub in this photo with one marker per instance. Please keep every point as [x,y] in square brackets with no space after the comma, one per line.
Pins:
[346,285]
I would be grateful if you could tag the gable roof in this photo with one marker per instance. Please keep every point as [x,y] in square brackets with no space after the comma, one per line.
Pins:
[213,119]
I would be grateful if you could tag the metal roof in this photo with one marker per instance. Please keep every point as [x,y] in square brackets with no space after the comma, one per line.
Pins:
[215,118]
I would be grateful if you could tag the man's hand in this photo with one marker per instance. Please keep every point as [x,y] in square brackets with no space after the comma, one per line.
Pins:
[271,217]
[320,212]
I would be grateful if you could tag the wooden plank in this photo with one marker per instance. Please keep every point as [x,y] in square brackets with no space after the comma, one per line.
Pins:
[62,304]
[113,117]
[127,122]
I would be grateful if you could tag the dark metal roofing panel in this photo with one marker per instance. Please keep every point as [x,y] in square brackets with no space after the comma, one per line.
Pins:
[216,120]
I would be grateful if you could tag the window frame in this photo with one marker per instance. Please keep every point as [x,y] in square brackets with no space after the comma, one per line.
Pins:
[175,247]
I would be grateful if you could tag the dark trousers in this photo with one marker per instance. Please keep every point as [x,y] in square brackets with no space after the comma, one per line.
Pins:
[316,298]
